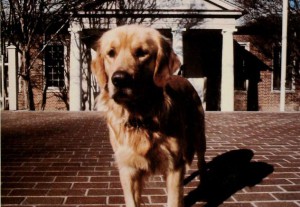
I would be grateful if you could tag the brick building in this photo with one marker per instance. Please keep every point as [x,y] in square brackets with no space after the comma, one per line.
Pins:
[228,70]
[266,74]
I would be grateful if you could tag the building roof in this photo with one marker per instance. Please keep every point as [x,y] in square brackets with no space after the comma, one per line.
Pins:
[175,8]
[225,4]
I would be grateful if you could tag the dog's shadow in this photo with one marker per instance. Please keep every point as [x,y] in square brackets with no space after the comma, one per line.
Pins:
[225,175]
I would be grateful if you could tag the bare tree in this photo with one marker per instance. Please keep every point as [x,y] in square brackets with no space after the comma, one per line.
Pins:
[266,17]
[24,22]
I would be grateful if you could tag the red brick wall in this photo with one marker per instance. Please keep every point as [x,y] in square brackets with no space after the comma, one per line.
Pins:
[53,101]
[254,47]
[240,101]
[269,100]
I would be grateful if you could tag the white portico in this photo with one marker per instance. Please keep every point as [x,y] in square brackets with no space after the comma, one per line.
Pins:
[181,18]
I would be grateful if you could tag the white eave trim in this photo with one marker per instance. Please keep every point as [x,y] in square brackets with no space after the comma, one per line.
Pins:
[162,12]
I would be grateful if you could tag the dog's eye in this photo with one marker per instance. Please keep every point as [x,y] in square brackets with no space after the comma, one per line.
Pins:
[141,53]
[111,53]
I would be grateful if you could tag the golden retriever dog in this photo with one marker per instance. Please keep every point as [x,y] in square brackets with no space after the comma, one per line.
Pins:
[155,118]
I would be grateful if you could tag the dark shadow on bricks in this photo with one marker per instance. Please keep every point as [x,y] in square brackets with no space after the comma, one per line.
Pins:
[225,175]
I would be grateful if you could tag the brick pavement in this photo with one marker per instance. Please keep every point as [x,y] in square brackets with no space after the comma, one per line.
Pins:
[65,159]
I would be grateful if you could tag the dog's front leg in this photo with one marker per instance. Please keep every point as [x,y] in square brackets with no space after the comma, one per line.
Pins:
[175,187]
[131,181]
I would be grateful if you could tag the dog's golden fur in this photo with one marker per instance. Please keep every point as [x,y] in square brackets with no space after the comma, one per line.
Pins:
[156,121]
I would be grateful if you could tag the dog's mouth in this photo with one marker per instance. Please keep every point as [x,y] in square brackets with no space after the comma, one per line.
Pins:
[123,95]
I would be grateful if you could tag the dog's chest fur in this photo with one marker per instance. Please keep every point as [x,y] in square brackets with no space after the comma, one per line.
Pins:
[143,145]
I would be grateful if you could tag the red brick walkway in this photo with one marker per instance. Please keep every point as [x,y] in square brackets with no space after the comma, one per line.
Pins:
[65,159]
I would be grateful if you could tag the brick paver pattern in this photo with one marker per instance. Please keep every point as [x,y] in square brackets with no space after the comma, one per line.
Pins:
[65,159]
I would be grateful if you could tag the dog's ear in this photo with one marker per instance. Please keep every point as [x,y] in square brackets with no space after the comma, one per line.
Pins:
[98,68]
[167,62]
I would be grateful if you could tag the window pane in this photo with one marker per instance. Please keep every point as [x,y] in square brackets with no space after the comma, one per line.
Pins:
[54,65]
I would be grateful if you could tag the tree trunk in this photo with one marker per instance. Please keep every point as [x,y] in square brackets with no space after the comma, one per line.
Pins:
[29,96]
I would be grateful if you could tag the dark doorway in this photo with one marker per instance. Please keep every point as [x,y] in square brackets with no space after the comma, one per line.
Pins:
[202,51]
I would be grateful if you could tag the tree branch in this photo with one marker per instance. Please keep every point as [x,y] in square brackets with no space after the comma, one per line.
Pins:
[47,43]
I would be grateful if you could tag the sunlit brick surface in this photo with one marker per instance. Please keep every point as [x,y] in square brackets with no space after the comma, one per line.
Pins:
[65,159]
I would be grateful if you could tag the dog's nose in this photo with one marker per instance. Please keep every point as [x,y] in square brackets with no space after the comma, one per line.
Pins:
[121,79]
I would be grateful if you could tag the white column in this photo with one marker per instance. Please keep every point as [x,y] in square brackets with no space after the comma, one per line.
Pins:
[12,78]
[75,68]
[227,81]
[2,66]
[283,53]
[177,43]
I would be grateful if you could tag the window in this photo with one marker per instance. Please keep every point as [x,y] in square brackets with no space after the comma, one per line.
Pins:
[240,75]
[240,68]
[54,66]
[277,71]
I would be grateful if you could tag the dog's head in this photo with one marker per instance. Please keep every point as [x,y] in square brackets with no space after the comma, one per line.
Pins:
[133,61]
